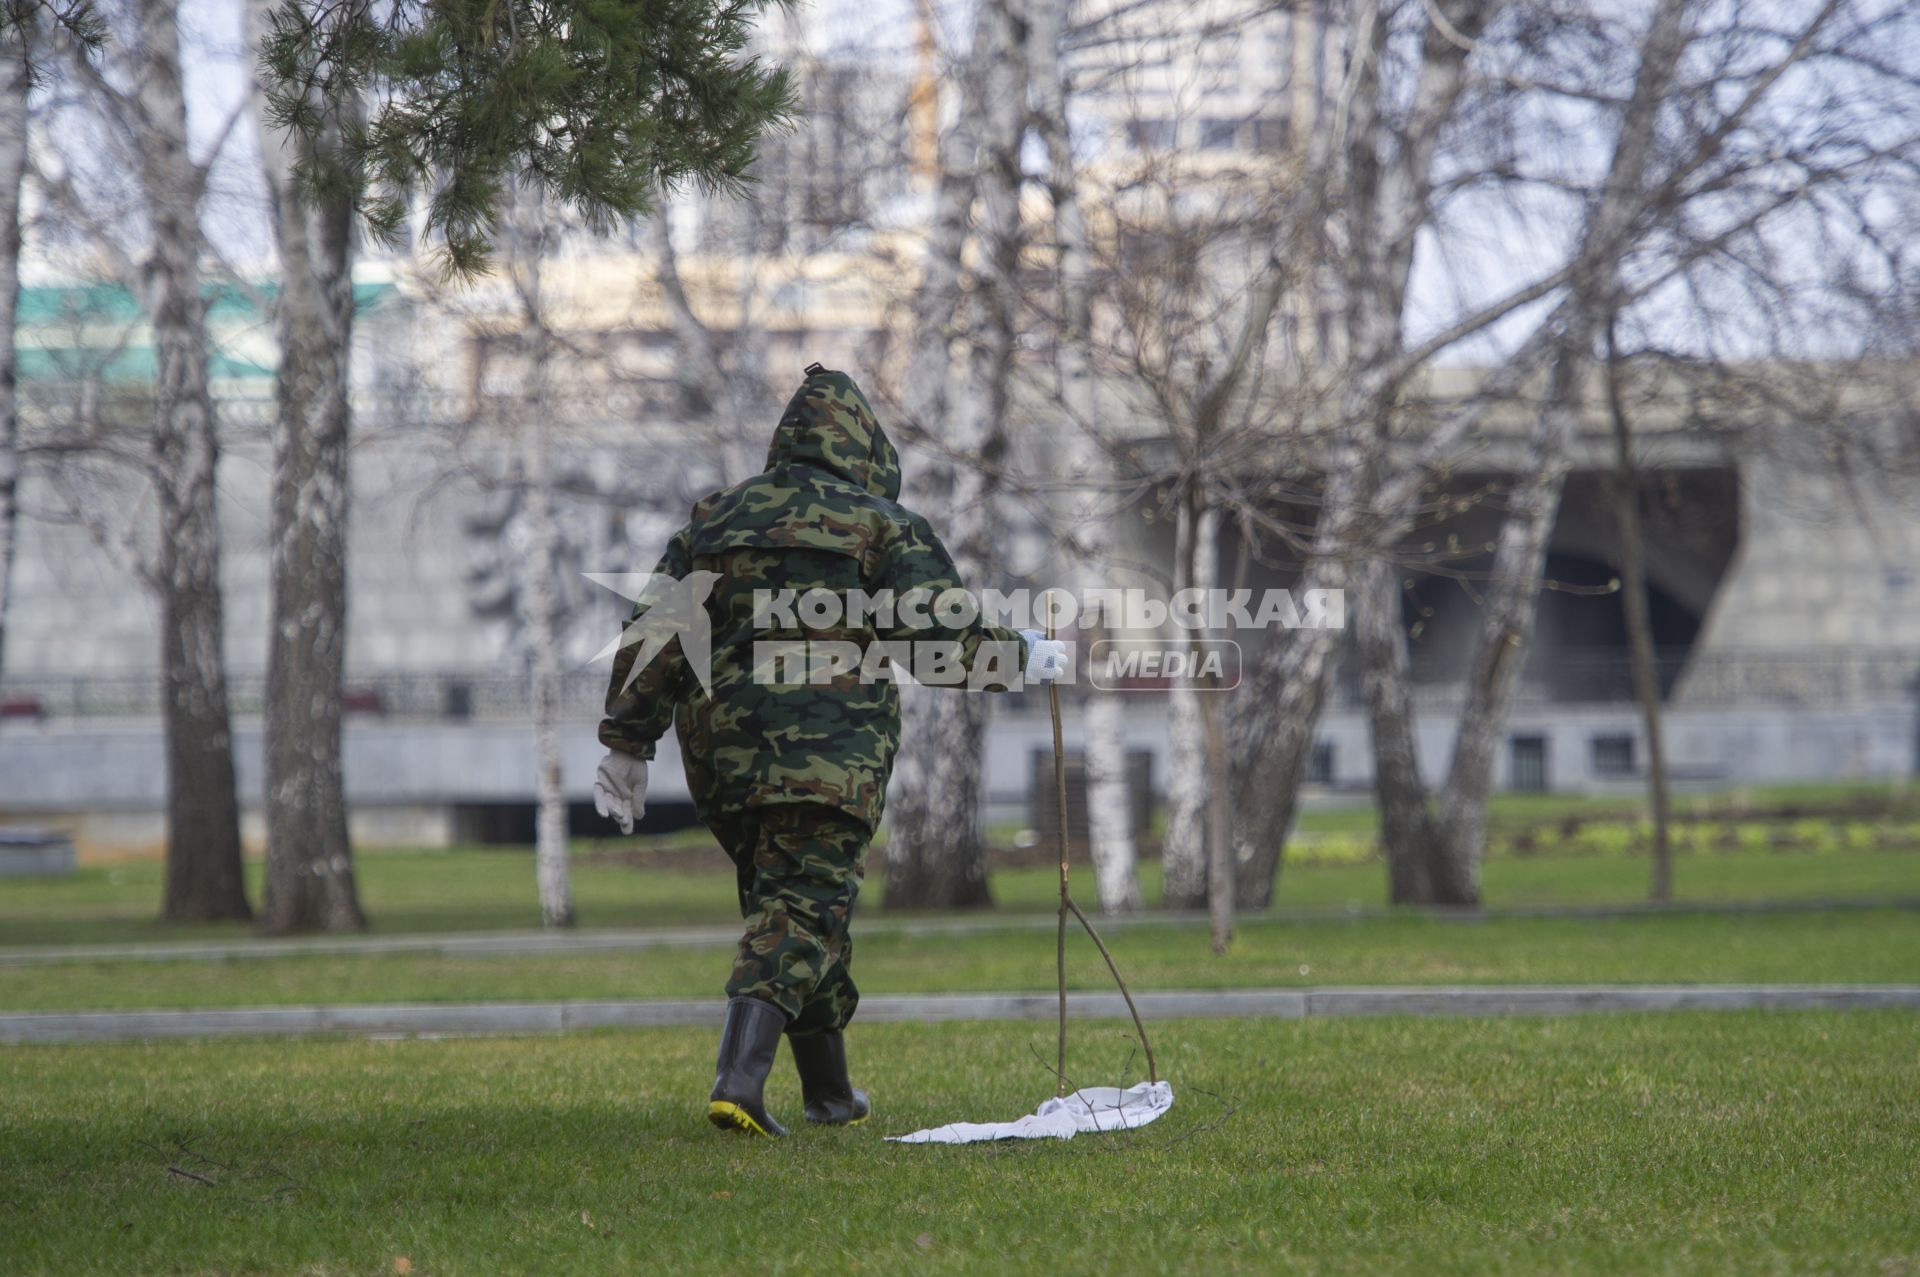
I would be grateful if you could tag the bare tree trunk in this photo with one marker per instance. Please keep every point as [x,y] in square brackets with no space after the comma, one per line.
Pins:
[1509,607]
[529,230]
[1110,807]
[1270,761]
[1110,832]
[13,163]
[310,880]
[1183,857]
[1418,853]
[1416,872]
[1110,800]
[1505,628]
[1380,645]
[1274,724]
[936,849]
[550,842]
[936,856]
[204,879]
[1520,553]
[1387,203]
[1633,587]
[1219,826]
[1278,715]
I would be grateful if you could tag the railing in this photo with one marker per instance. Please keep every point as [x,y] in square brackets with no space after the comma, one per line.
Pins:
[1721,679]
[1702,679]
[445,695]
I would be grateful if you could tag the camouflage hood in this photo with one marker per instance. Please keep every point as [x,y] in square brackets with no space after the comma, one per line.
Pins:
[830,425]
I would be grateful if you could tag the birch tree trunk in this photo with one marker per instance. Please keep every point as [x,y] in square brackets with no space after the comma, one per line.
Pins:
[1633,590]
[936,857]
[1183,856]
[13,163]
[530,232]
[1110,803]
[1219,825]
[1380,645]
[551,869]
[1418,872]
[1505,628]
[1520,553]
[1110,832]
[1275,720]
[310,880]
[203,878]
[1387,191]
[936,853]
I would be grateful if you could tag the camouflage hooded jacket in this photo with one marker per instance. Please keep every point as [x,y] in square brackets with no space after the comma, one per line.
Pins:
[823,515]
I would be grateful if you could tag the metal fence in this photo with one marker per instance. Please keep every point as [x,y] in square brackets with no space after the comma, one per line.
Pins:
[1722,679]
[446,695]
[1774,677]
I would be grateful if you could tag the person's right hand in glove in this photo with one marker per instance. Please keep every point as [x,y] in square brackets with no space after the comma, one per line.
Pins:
[1046,658]
[620,789]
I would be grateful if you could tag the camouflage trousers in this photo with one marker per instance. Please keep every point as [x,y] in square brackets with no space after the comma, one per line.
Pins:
[799,867]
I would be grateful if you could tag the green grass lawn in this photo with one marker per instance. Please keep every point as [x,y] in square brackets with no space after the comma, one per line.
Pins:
[1511,812]
[1881,946]
[1638,1144]
[469,890]
[409,891]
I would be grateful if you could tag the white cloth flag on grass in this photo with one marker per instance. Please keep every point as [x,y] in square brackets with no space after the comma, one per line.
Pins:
[1091,1108]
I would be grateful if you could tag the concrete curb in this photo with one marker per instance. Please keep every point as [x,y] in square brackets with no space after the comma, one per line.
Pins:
[492,1018]
[515,943]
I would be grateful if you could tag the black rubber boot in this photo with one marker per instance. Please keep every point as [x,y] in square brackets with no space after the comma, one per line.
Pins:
[747,1047]
[831,1099]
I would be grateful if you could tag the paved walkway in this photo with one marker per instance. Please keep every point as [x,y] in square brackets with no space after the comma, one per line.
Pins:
[509,943]
[481,1018]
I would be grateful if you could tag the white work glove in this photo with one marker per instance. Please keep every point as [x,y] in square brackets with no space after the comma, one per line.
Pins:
[620,788]
[1046,658]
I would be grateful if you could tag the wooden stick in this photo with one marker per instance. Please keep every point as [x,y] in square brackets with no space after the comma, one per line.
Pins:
[1153,1074]
[1066,900]
[1060,806]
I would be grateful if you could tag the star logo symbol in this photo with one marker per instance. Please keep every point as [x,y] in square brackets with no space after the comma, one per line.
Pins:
[666,609]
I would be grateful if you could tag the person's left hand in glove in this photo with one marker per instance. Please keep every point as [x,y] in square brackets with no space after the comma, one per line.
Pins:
[1046,658]
[620,789]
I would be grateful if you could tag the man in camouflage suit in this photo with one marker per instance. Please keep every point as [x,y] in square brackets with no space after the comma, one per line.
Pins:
[791,775]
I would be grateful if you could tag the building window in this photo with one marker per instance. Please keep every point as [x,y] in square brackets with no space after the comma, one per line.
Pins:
[1325,331]
[1530,764]
[1613,756]
[1320,764]
[1150,134]
[1272,133]
[1218,135]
